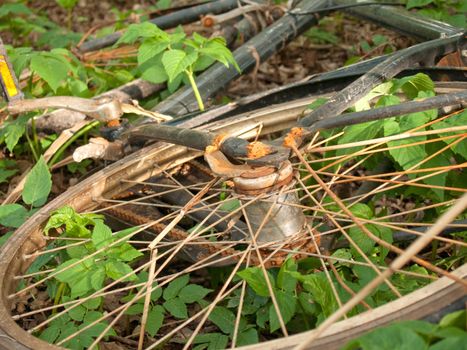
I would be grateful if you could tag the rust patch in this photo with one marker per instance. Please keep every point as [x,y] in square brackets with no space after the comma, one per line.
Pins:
[113,123]
[257,150]
[208,21]
[293,138]
[258,172]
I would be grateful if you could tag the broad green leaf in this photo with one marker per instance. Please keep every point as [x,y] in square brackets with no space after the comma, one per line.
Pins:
[142,30]
[412,85]
[230,204]
[155,320]
[285,280]
[454,319]
[14,9]
[135,309]
[93,303]
[116,269]
[77,313]
[98,278]
[51,333]
[458,343]
[13,132]
[153,71]
[101,235]
[126,252]
[223,318]
[442,159]
[176,307]
[389,338]
[176,62]
[151,48]
[364,103]
[361,239]
[247,337]
[417,3]
[211,341]
[358,132]
[192,292]
[459,119]
[174,287]
[254,276]
[51,68]
[12,215]
[361,210]
[318,285]
[38,184]
[404,152]
[287,304]
[307,303]
[69,274]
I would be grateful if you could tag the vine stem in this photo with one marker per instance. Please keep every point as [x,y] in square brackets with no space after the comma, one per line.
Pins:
[189,73]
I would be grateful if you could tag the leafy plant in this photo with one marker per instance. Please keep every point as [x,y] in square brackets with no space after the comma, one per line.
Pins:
[450,333]
[172,57]
[449,11]
[36,190]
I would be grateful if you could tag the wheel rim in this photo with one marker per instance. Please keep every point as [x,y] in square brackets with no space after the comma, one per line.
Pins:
[108,183]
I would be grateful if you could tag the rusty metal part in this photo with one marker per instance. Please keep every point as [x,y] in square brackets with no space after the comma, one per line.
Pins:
[263,182]
[103,109]
[221,166]
[204,249]
[285,217]
[294,137]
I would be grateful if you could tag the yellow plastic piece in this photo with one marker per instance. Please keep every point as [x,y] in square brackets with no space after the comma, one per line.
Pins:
[7,78]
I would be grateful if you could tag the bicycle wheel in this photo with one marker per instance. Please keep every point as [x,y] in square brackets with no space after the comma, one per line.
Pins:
[194,225]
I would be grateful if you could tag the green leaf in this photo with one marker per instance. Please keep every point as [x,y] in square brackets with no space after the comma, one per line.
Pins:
[458,343]
[417,3]
[454,319]
[98,278]
[247,337]
[51,333]
[318,285]
[192,292]
[361,239]
[230,204]
[151,48]
[174,287]
[153,71]
[155,320]
[12,215]
[142,30]
[223,318]
[358,132]
[38,184]
[176,307]
[406,156]
[453,121]
[285,280]
[361,210]
[214,341]
[77,313]
[414,84]
[51,68]
[13,132]
[389,338]
[287,304]
[101,235]
[254,276]
[176,62]
[116,269]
